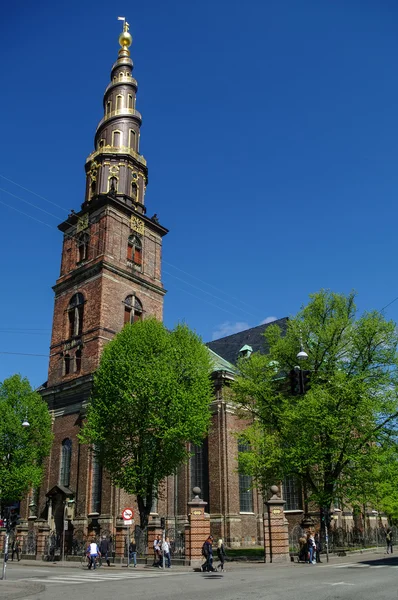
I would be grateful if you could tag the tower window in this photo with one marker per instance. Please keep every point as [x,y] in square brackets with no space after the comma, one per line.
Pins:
[116,138]
[199,467]
[66,455]
[112,184]
[75,315]
[132,309]
[130,101]
[132,139]
[134,190]
[82,246]
[134,250]
[66,364]
[78,361]
[109,107]
[119,102]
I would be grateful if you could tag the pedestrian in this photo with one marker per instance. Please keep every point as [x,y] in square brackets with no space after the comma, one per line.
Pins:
[221,553]
[133,552]
[105,550]
[311,548]
[166,552]
[93,553]
[15,549]
[318,548]
[207,552]
[157,551]
[389,540]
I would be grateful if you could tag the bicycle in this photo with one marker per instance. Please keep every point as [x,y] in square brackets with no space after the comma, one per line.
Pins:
[85,562]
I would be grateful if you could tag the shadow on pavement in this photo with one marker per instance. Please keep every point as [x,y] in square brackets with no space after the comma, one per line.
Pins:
[385,560]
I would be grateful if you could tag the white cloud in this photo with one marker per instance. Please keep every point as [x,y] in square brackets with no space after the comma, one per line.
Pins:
[268,320]
[229,328]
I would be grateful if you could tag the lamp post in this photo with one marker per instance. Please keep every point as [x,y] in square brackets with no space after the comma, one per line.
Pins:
[375,513]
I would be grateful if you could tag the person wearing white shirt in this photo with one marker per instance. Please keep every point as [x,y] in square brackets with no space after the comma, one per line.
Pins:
[166,552]
[93,552]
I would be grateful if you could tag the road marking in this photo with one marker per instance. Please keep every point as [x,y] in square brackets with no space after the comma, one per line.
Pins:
[91,577]
[378,566]
[338,583]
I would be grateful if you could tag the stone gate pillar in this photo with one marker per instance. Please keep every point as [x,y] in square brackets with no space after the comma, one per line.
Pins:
[197,530]
[276,535]
[43,531]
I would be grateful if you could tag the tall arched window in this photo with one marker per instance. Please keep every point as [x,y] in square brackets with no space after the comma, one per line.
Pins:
[75,315]
[78,361]
[130,101]
[82,246]
[112,184]
[119,102]
[132,309]
[96,485]
[108,107]
[134,250]
[66,364]
[199,467]
[66,455]
[132,139]
[116,138]
[245,483]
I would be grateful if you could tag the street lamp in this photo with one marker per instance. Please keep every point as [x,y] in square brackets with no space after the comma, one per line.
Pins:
[375,513]
[302,355]
[25,422]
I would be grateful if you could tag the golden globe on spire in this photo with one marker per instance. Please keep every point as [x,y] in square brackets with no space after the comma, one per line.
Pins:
[125,38]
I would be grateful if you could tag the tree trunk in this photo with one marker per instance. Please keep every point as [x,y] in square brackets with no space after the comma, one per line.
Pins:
[144,507]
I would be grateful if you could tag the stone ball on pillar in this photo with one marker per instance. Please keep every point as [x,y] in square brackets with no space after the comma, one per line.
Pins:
[196,492]
[274,490]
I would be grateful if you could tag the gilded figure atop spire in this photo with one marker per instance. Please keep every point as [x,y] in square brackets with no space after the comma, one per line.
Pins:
[125,38]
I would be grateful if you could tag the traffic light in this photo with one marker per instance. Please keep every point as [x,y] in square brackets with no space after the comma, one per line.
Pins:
[306,379]
[295,381]
[163,523]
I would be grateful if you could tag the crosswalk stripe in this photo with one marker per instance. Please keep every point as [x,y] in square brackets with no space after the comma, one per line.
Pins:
[379,566]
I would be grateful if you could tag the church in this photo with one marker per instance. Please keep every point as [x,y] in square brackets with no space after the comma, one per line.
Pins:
[111,274]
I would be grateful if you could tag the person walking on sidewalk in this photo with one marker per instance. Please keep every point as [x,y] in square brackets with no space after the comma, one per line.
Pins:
[221,553]
[15,549]
[105,549]
[133,552]
[389,540]
[207,552]
[311,548]
[93,553]
[318,548]
[166,552]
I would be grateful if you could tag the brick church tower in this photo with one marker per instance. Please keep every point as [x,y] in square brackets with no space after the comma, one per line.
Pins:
[110,275]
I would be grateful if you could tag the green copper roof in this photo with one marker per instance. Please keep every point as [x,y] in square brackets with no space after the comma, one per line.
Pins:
[220,364]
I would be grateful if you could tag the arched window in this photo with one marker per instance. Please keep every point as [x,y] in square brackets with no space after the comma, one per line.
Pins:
[134,250]
[96,485]
[199,467]
[132,309]
[119,102]
[66,364]
[134,190]
[116,138]
[132,139]
[130,101]
[109,107]
[245,483]
[112,184]
[82,246]
[78,361]
[75,315]
[66,455]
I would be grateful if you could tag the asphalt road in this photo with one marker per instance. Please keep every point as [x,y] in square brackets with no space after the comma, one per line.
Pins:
[362,577]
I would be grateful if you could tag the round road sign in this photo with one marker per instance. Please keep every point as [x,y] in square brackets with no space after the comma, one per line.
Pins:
[128,514]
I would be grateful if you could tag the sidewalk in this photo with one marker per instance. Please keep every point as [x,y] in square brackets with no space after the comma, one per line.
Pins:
[356,556]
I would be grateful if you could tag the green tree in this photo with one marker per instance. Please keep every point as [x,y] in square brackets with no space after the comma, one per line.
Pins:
[150,399]
[22,449]
[334,436]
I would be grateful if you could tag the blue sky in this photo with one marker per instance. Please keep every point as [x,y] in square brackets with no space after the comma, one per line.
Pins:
[270,130]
